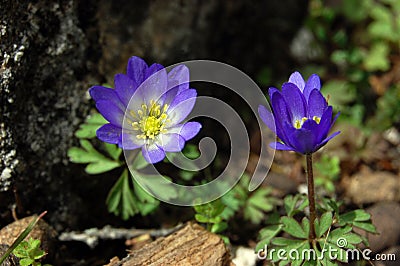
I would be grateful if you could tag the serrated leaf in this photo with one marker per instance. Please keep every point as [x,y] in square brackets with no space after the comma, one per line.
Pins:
[305,223]
[292,227]
[354,216]
[323,224]
[120,199]
[89,128]
[98,163]
[366,226]
[101,167]
[294,204]
[113,150]
[266,234]
[282,241]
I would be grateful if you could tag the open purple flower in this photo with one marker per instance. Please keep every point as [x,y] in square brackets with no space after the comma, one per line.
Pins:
[300,117]
[147,108]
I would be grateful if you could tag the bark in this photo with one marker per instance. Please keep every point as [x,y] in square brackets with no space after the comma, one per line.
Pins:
[191,245]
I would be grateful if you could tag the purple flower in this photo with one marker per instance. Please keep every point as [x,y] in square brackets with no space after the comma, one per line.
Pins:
[300,117]
[147,108]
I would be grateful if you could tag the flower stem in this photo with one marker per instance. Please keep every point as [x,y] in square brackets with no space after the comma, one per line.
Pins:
[311,196]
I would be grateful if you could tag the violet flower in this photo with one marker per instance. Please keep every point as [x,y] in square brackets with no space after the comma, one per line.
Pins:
[300,117]
[146,109]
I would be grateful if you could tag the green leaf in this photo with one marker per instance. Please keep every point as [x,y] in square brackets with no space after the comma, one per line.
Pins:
[292,227]
[377,58]
[146,202]
[258,203]
[294,204]
[98,163]
[26,261]
[366,226]
[219,227]
[89,128]
[120,199]
[282,241]
[342,92]
[113,150]
[323,224]
[157,184]
[305,223]
[201,218]
[267,234]
[354,216]
[139,162]
[191,151]
[101,167]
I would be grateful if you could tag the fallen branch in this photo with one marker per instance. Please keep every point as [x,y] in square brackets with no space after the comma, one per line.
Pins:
[92,236]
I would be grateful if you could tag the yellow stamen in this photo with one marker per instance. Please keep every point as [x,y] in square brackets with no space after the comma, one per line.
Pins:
[299,123]
[151,120]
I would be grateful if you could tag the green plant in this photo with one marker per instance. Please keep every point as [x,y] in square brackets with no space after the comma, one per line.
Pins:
[358,39]
[21,237]
[333,231]
[29,252]
[126,198]
[254,204]
[211,215]
[327,172]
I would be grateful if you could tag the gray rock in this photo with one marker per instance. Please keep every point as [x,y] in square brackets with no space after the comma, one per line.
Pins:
[369,187]
[385,216]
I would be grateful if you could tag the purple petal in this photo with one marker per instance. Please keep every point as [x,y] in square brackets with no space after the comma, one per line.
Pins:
[295,101]
[154,68]
[136,69]
[171,142]
[303,140]
[280,146]
[323,143]
[325,124]
[179,76]
[316,104]
[109,133]
[297,80]
[130,141]
[267,117]
[154,87]
[99,93]
[181,106]
[111,112]
[124,87]
[281,115]
[271,92]
[313,82]
[188,130]
[153,153]
[151,89]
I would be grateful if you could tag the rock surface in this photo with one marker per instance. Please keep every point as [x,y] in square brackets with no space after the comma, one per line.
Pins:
[369,187]
[385,216]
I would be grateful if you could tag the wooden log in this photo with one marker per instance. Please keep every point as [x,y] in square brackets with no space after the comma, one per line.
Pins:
[191,245]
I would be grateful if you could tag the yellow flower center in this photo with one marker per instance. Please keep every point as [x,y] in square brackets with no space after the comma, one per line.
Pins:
[299,123]
[151,118]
